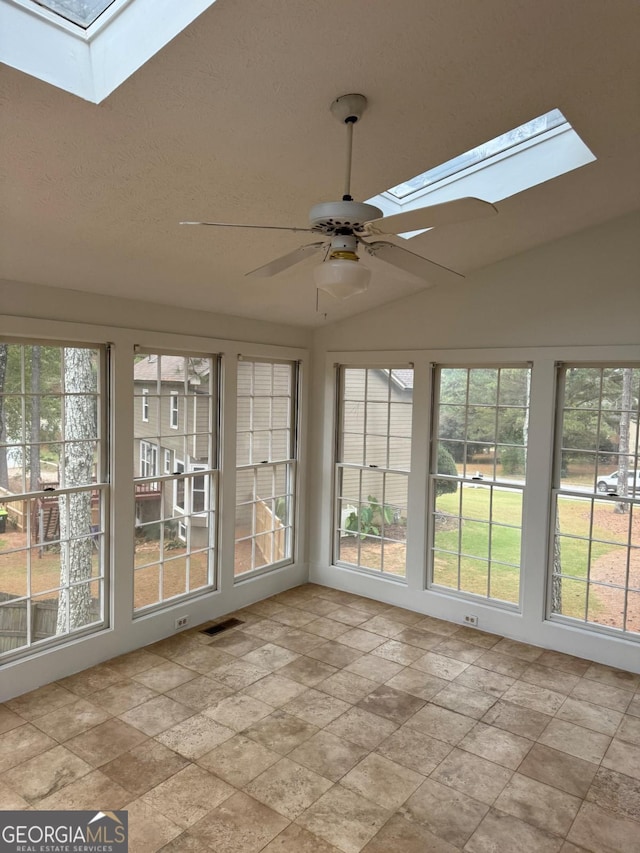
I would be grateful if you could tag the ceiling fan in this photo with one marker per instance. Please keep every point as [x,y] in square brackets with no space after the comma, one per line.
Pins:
[349,224]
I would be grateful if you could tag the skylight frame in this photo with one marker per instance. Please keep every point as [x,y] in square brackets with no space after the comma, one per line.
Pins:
[69,15]
[536,160]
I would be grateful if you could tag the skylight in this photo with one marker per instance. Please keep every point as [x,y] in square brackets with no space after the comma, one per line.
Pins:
[80,12]
[537,151]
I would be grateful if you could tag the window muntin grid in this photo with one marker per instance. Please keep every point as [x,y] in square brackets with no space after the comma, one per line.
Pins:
[53,548]
[594,575]
[372,470]
[478,479]
[266,458]
[175,548]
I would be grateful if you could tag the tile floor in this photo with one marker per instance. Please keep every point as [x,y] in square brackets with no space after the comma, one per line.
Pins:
[328,722]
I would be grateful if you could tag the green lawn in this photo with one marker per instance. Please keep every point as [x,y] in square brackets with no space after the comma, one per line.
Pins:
[473,539]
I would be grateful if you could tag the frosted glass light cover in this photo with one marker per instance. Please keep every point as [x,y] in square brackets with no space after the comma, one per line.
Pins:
[342,278]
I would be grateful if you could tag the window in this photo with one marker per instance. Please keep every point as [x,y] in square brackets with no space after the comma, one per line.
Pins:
[80,12]
[478,469]
[53,494]
[175,512]
[595,554]
[148,459]
[173,416]
[372,472]
[266,464]
[145,405]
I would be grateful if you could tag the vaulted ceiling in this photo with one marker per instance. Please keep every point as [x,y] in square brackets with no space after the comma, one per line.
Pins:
[230,122]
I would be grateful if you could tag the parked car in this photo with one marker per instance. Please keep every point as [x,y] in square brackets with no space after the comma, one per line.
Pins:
[610,483]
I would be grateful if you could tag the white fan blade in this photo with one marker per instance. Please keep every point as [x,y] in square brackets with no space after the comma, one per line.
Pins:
[236,225]
[447,213]
[286,261]
[428,271]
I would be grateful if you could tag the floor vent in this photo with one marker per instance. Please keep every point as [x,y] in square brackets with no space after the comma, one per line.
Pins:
[222,626]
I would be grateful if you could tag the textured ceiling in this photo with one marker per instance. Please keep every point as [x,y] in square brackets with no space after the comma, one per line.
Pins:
[230,122]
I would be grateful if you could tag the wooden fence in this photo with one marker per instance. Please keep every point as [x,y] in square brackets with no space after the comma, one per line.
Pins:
[44,617]
[270,531]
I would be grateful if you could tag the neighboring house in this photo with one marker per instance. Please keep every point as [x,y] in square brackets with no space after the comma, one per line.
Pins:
[171,436]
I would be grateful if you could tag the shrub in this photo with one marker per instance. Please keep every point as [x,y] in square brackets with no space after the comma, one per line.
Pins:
[446,465]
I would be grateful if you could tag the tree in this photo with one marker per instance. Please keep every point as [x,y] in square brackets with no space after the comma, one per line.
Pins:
[446,465]
[4,471]
[76,544]
[623,445]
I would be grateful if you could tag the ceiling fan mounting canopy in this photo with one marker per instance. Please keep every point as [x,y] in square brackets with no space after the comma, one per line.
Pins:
[342,217]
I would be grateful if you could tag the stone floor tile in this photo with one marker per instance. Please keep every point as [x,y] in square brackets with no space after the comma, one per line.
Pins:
[188,796]
[239,643]
[447,813]
[485,680]
[374,668]
[629,729]
[417,683]
[295,839]
[316,707]
[623,757]
[329,755]
[601,831]
[134,662]
[42,701]
[516,719]
[536,698]
[613,677]
[563,662]
[275,690]
[551,679]
[165,677]
[195,736]
[149,830]
[238,674]
[10,800]
[281,732]
[382,781]
[307,671]
[238,760]
[559,769]
[46,773]
[441,723]
[398,652]
[105,742]
[496,745]
[329,629]
[455,647]
[364,641]
[335,654]
[347,686]
[521,651]
[238,711]
[576,740]
[122,696]
[403,835]
[91,680]
[270,657]
[477,637]
[297,640]
[344,819]
[502,664]
[362,728]
[293,617]
[156,715]
[616,792]
[21,744]
[288,788]
[265,629]
[602,694]
[186,843]
[319,606]
[199,693]
[9,719]
[539,804]
[413,749]
[594,717]
[72,719]
[86,792]
[144,767]
[471,775]
[239,825]
[498,832]
[464,700]
[203,658]
[392,704]
[424,640]
[440,665]
[437,626]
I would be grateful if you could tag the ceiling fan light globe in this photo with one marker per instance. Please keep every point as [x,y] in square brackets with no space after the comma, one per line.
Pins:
[341,278]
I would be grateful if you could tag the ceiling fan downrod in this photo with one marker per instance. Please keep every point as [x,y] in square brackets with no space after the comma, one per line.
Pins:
[348,109]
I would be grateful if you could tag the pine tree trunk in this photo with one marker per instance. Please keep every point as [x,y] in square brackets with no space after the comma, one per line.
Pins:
[34,452]
[75,509]
[4,471]
[623,445]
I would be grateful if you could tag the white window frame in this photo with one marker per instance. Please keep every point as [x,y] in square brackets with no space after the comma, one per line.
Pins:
[174,411]
[148,458]
[167,461]
[144,402]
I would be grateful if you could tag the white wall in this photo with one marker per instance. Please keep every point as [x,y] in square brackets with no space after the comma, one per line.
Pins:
[71,316]
[574,299]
